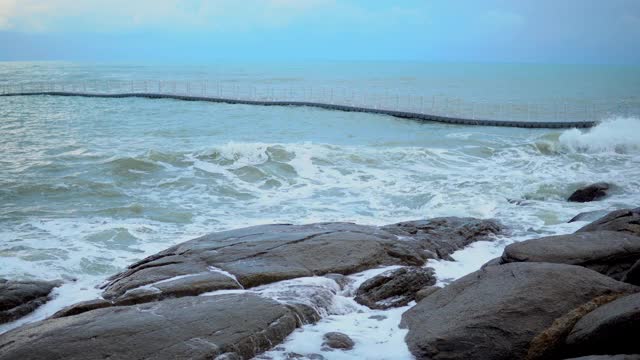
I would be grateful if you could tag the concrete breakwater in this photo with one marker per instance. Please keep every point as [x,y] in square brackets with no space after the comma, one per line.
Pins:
[337,107]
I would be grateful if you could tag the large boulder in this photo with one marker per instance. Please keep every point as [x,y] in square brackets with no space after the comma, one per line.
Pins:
[19,298]
[495,312]
[394,288]
[608,252]
[633,275]
[264,254]
[260,255]
[440,237]
[608,357]
[233,326]
[625,220]
[590,193]
[612,328]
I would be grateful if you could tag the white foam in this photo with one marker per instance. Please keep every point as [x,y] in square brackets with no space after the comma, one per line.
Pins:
[225,273]
[374,338]
[67,294]
[614,135]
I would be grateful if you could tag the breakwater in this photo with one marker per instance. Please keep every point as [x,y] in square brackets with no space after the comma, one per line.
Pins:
[328,106]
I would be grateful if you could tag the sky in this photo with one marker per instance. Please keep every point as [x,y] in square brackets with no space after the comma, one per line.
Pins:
[538,31]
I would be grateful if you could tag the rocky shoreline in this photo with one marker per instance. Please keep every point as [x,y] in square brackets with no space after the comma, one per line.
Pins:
[236,294]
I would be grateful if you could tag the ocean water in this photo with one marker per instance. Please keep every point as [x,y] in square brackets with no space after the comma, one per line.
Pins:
[88,186]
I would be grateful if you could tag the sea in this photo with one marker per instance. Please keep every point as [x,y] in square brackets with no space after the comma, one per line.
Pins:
[90,185]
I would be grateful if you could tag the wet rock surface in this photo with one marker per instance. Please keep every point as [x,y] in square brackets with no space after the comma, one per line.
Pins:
[608,357]
[590,193]
[633,275]
[440,237]
[19,298]
[611,328]
[625,220]
[609,252]
[589,216]
[495,313]
[394,288]
[264,254]
[337,340]
[232,326]
[426,291]
[150,310]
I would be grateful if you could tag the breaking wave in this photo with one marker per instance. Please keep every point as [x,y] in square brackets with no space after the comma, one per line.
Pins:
[615,135]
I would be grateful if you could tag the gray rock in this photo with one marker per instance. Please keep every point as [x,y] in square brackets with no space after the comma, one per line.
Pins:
[590,193]
[589,216]
[441,237]
[492,262]
[549,344]
[263,254]
[612,328]
[19,298]
[394,288]
[228,356]
[608,252]
[607,357]
[426,291]
[625,220]
[340,279]
[337,340]
[633,275]
[205,327]
[494,313]
[83,306]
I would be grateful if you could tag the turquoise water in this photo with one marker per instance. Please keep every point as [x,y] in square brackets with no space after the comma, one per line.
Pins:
[88,186]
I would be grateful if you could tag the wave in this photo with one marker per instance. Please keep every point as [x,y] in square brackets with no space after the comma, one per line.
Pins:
[615,135]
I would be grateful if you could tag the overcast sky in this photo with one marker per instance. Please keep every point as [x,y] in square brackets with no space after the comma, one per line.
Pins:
[545,31]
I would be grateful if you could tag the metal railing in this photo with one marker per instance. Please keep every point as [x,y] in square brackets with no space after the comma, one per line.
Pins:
[372,99]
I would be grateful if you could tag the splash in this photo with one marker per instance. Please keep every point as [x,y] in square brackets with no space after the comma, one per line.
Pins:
[616,135]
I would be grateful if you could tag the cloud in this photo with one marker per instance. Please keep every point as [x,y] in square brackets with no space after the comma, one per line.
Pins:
[7,9]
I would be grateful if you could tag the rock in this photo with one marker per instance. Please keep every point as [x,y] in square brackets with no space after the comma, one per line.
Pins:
[590,193]
[426,291]
[612,328]
[441,237]
[337,340]
[340,279]
[19,298]
[549,344]
[492,262]
[264,254]
[377,317]
[633,275]
[625,220]
[608,252]
[228,356]
[494,313]
[607,357]
[394,288]
[204,327]
[83,306]
[588,216]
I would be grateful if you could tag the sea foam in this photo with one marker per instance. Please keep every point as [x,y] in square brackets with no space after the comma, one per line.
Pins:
[614,135]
